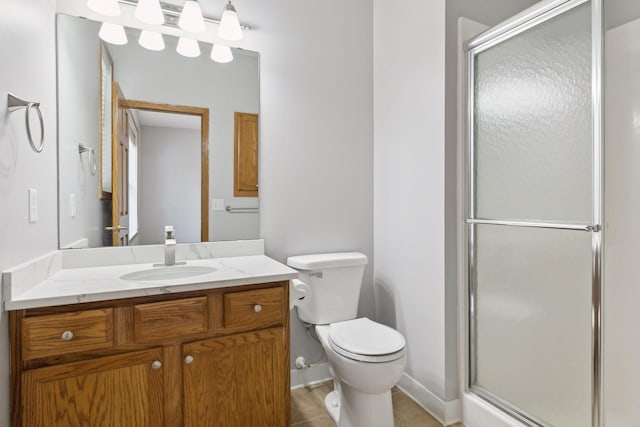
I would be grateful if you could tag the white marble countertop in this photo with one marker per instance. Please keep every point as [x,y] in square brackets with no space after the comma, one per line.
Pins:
[80,284]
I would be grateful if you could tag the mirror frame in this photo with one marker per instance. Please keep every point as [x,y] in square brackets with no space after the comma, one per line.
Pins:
[203,113]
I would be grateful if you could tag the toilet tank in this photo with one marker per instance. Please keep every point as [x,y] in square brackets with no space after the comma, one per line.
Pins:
[335,280]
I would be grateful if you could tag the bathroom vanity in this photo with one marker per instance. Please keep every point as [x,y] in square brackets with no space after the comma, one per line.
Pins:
[208,349]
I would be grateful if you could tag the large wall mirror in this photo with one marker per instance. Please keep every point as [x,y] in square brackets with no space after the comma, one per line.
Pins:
[153,138]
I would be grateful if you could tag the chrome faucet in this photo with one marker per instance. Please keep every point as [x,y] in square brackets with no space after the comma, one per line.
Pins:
[169,245]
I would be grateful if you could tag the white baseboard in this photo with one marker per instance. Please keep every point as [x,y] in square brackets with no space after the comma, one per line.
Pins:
[446,413]
[309,376]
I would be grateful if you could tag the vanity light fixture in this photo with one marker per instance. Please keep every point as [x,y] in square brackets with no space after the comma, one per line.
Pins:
[151,40]
[149,12]
[229,28]
[112,33]
[191,17]
[104,7]
[188,47]
[221,53]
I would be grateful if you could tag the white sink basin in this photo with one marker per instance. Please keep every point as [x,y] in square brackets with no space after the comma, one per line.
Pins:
[168,273]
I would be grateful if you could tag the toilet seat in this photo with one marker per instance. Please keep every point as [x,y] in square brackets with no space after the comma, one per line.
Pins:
[366,341]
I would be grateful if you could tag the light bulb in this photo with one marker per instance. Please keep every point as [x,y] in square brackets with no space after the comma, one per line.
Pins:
[221,53]
[150,12]
[188,48]
[229,28]
[104,7]
[191,17]
[151,40]
[112,33]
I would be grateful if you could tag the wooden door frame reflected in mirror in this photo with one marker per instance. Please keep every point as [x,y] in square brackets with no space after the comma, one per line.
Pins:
[119,138]
[203,113]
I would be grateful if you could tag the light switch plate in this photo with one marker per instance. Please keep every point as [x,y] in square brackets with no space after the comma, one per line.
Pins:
[33,205]
[217,204]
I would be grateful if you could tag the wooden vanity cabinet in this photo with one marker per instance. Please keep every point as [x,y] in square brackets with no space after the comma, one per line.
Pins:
[216,358]
[121,390]
[228,381]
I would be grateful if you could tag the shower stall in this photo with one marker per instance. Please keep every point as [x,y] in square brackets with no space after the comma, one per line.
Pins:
[552,131]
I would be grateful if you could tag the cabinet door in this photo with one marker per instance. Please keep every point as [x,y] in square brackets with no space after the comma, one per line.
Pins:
[246,155]
[237,381]
[123,390]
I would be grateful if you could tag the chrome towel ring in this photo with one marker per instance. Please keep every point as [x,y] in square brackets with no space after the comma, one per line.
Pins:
[93,164]
[14,103]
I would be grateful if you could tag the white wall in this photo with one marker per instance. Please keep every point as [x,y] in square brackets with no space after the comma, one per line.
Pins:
[169,198]
[409,55]
[316,155]
[78,117]
[415,177]
[27,49]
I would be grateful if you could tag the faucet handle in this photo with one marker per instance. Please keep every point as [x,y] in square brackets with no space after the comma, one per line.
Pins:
[169,232]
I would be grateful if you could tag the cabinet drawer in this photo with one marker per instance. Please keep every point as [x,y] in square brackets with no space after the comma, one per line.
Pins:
[257,308]
[170,319]
[56,334]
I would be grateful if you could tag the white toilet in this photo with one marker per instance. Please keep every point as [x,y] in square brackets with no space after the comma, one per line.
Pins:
[366,358]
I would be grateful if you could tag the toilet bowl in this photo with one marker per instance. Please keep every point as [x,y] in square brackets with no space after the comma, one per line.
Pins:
[366,358]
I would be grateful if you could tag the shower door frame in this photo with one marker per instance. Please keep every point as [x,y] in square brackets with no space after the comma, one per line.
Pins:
[524,21]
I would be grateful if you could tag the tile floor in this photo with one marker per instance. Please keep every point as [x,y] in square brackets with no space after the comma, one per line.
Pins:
[307,409]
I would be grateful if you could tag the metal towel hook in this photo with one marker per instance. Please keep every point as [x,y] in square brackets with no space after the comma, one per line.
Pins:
[14,103]
[93,164]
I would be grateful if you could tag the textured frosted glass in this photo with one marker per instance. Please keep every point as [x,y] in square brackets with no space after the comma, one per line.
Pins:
[533,123]
[534,320]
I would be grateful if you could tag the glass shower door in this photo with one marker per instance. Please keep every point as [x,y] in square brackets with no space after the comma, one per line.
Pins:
[533,206]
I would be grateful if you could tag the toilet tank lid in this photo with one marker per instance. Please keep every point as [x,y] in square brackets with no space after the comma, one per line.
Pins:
[321,261]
